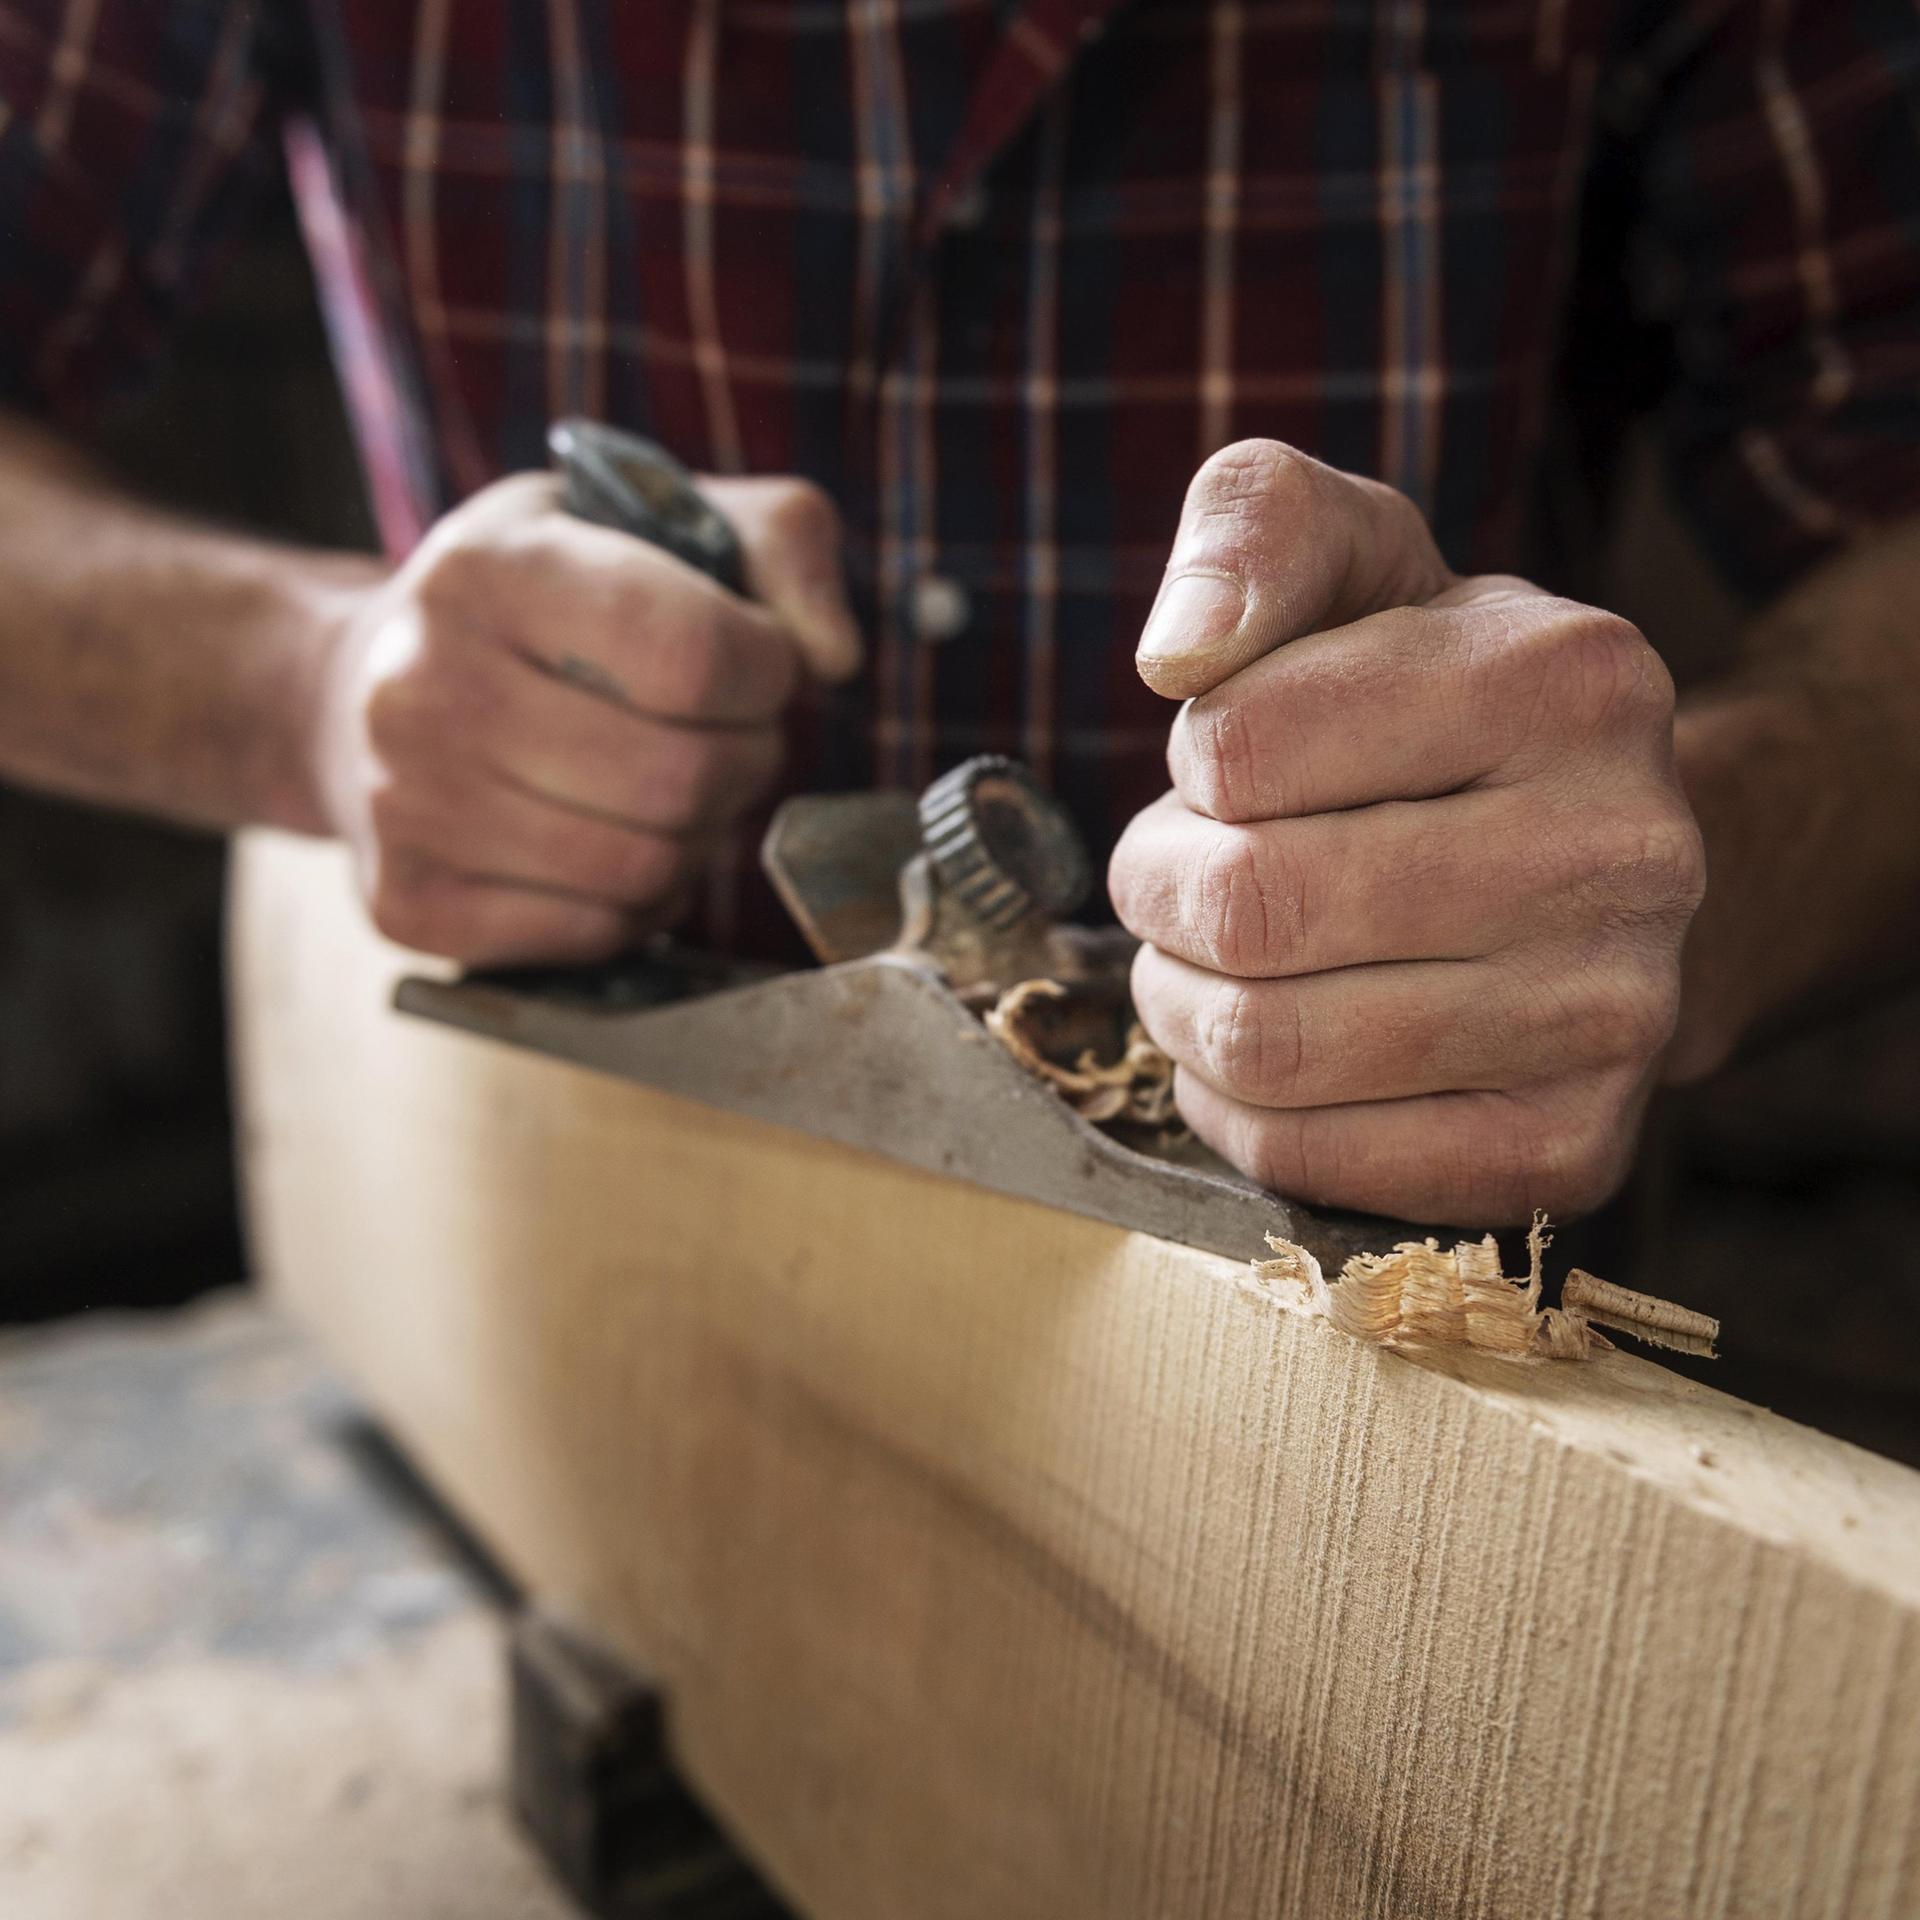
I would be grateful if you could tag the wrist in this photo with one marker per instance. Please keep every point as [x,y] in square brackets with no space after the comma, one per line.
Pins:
[321,601]
[1717,738]
[1806,789]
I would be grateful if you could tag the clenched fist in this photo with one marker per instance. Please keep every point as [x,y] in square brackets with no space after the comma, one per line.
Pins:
[531,733]
[1414,907]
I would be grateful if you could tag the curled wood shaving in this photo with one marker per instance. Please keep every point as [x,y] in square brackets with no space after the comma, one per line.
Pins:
[1658,1322]
[1418,1295]
[1138,1087]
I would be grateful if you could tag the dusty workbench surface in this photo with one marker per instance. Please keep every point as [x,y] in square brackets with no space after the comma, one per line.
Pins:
[243,1669]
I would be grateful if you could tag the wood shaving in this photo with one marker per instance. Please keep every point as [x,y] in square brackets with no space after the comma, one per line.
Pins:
[1418,1295]
[1137,1088]
[1658,1322]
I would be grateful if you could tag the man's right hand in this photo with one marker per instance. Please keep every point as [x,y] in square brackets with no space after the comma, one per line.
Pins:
[533,732]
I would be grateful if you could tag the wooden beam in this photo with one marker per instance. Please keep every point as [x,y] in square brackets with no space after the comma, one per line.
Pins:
[1001,1563]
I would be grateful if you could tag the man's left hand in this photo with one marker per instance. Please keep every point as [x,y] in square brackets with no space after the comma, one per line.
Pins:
[1413,911]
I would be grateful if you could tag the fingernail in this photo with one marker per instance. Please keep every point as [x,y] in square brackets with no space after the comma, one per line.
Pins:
[1196,613]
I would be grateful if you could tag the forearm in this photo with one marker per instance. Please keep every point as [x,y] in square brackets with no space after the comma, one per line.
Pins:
[152,663]
[1804,772]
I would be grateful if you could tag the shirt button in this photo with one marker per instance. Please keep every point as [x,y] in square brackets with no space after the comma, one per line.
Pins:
[968,207]
[941,609]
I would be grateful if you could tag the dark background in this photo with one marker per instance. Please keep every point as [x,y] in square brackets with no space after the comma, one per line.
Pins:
[1784,1199]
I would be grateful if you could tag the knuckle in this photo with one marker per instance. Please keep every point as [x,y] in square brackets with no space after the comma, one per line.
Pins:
[450,577]
[1235,907]
[1505,587]
[1310,1153]
[1260,474]
[1229,1039]
[1397,513]
[1645,864]
[1567,1163]
[1213,760]
[679,779]
[1450,1173]
[1254,1043]
[1632,1017]
[389,713]
[608,862]
[1670,858]
[1593,671]
[505,503]
[805,514]
[390,679]
[1577,1169]
[390,812]
[432,707]
[1126,881]
[445,645]
[1252,473]
[718,779]
[1647,1023]
[1150,890]
[690,660]
[1253,1145]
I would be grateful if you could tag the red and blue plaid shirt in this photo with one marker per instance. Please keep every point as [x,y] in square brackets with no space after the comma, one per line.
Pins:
[1000,273]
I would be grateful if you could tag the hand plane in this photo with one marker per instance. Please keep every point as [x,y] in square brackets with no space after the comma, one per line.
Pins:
[920,909]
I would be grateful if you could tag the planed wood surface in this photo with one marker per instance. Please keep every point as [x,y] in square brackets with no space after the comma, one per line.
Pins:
[1006,1566]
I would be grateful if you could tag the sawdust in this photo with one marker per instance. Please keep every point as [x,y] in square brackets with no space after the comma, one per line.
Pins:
[1137,1088]
[1419,1295]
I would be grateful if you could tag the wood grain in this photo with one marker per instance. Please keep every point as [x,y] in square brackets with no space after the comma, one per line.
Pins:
[1001,1563]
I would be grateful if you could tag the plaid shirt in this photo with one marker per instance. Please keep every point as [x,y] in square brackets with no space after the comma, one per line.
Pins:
[1000,273]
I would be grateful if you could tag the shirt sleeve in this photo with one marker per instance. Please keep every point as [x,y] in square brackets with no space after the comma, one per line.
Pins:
[135,136]
[1778,248]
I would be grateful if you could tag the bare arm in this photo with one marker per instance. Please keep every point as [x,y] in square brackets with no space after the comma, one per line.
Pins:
[1804,773]
[496,810]
[150,663]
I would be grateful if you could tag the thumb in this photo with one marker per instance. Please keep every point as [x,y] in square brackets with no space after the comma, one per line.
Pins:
[790,535]
[1273,545]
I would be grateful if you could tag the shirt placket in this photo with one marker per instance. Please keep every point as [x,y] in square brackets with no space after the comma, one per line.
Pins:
[906,201]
